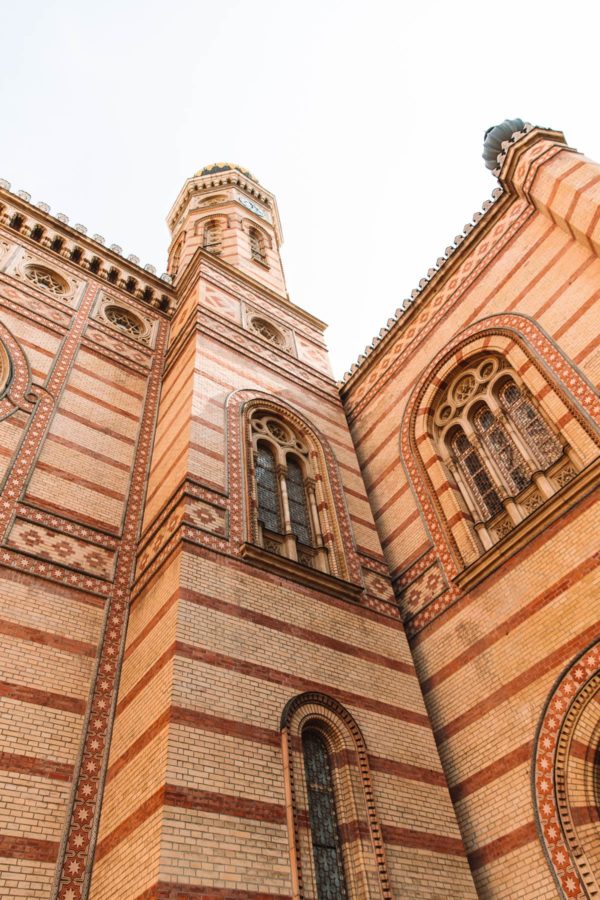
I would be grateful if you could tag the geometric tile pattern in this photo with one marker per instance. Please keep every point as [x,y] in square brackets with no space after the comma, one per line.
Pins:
[61,548]
[423,590]
[378,586]
[208,517]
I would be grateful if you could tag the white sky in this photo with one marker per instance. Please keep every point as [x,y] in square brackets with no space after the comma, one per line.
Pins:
[365,119]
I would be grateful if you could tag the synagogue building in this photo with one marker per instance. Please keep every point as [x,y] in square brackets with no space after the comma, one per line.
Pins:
[266,636]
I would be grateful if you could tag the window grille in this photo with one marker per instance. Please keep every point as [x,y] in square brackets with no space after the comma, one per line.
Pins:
[325,834]
[544,445]
[124,320]
[266,331]
[503,450]
[46,280]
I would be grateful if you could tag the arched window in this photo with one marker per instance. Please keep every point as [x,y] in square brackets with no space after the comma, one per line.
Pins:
[505,457]
[176,258]
[335,836]
[212,237]
[325,833]
[257,250]
[287,519]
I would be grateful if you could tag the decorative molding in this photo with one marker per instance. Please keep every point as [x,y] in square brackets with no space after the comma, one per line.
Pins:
[575,690]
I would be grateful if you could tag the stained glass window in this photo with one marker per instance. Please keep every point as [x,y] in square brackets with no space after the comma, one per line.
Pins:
[503,450]
[297,502]
[327,849]
[544,445]
[269,513]
[476,474]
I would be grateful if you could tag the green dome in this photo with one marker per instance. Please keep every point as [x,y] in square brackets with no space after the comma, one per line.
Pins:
[215,168]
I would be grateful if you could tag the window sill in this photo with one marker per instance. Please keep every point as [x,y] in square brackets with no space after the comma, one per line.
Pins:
[305,575]
[260,262]
[585,481]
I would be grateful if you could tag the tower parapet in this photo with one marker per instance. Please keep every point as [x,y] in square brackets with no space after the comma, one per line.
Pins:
[224,211]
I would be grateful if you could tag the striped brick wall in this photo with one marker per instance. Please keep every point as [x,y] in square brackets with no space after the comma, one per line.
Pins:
[487,656]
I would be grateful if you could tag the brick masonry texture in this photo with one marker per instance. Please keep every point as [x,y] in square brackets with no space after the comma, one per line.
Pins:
[160,661]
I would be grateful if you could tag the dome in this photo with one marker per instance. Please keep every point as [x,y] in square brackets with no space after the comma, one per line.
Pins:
[216,168]
[494,138]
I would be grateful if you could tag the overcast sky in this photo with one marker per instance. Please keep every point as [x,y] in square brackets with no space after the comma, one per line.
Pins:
[365,119]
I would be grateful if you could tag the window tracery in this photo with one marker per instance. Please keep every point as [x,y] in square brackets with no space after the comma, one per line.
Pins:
[287,519]
[47,280]
[266,331]
[505,457]
[124,320]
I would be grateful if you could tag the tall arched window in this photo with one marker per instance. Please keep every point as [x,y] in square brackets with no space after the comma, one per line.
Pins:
[287,519]
[176,258]
[257,250]
[505,457]
[325,833]
[212,237]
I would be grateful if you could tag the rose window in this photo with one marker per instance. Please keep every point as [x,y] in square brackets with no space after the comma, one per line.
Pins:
[46,280]
[125,320]
[267,331]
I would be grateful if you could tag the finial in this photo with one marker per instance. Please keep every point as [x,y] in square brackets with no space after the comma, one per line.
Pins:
[495,137]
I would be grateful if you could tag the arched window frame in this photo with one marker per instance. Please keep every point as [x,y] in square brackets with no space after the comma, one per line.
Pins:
[344,577]
[177,251]
[212,237]
[257,244]
[286,443]
[561,394]
[365,869]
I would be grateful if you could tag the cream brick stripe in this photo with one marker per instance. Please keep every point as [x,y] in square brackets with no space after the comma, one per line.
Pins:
[87,451]
[101,429]
[561,655]
[97,401]
[77,849]
[497,769]
[78,367]
[276,676]
[257,734]
[503,629]
[47,639]
[307,634]
[568,518]
[73,478]
[237,807]
[24,694]
[573,276]
[502,846]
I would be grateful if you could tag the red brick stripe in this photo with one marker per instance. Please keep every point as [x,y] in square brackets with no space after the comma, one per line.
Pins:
[540,668]
[78,480]
[405,770]
[307,634]
[224,804]
[12,847]
[503,630]
[47,638]
[391,537]
[146,678]
[152,623]
[174,890]
[128,825]
[266,673]
[113,384]
[35,765]
[516,839]
[422,840]
[585,815]
[87,451]
[42,698]
[89,423]
[489,774]
[139,744]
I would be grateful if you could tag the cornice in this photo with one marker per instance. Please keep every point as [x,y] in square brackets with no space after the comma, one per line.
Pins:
[234,178]
[445,267]
[39,214]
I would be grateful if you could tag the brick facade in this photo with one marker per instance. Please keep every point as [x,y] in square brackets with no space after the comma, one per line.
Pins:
[163,650]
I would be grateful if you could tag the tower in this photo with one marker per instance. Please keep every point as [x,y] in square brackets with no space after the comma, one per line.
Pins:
[265,667]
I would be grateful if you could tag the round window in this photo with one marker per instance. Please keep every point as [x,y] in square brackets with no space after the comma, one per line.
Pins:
[125,320]
[47,280]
